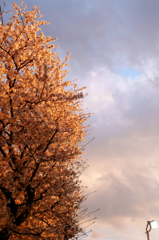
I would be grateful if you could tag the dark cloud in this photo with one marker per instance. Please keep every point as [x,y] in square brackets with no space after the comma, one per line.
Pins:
[102,33]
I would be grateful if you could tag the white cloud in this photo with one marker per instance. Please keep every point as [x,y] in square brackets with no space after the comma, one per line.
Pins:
[124,155]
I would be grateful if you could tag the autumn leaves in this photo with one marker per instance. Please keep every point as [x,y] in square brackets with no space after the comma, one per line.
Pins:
[41,125]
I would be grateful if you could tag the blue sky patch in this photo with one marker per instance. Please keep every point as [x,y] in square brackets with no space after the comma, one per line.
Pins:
[128,72]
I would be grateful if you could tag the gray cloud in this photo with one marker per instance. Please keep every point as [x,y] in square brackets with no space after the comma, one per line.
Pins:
[102,33]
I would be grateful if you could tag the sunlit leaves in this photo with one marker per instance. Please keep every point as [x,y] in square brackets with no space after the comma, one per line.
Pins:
[41,125]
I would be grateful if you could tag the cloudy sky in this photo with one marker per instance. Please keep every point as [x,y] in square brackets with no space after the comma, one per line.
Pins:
[115,44]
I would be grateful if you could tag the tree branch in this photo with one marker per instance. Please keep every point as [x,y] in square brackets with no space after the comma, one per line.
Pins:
[2,151]
[50,140]
[13,207]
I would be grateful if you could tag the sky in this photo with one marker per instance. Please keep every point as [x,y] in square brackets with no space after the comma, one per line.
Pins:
[115,49]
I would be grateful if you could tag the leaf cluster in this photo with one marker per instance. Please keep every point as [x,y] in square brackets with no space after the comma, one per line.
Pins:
[41,126]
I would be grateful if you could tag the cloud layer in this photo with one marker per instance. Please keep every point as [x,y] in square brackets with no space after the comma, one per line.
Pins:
[105,37]
[124,155]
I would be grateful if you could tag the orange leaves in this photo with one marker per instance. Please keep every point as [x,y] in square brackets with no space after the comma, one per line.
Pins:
[41,125]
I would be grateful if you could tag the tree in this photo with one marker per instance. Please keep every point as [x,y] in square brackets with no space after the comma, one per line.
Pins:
[41,128]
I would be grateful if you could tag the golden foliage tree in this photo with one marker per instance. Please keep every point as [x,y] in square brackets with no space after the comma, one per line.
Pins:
[41,127]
